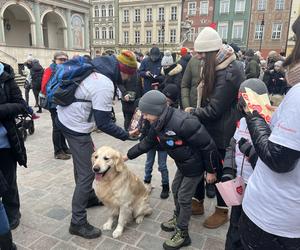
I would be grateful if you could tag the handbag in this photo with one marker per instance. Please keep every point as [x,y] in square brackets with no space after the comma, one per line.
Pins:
[233,191]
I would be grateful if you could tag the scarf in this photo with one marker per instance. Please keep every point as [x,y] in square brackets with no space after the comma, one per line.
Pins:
[224,57]
[292,74]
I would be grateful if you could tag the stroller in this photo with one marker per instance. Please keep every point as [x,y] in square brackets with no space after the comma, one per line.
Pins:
[25,123]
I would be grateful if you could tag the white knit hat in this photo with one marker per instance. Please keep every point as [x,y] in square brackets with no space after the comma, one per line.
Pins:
[208,40]
[167,60]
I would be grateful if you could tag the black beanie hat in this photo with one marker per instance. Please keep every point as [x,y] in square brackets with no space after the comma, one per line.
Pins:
[171,91]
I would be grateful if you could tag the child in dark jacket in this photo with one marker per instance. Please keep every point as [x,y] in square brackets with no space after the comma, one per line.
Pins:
[185,140]
[277,84]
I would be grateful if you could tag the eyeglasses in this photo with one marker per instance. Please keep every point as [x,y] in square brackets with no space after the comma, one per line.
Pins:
[62,59]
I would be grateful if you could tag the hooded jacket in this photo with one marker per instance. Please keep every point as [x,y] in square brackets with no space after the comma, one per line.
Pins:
[185,140]
[172,75]
[36,71]
[219,112]
[11,105]
[253,69]
[184,60]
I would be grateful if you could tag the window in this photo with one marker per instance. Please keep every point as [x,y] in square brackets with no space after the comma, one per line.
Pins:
[279,5]
[223,30]
[103,33]
[204,8]
[224,6]
[137,37]
[110,10]
[173,36]
[161,36]
[192,9]
[276,30]
[96,11]
[237,30]
[148,36]
[111,33]
[149,15]
[161,14]
[240,5]
[261,5]
[103,11]
[173,13]
[137,15]
[126,16]
[126,37]
[259,32]
[97,33]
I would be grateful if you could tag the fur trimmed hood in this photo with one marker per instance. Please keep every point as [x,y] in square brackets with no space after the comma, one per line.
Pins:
[176,70]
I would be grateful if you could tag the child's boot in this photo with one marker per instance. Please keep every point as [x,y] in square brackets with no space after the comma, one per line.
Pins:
[180,239]
[165,191]
[217,219]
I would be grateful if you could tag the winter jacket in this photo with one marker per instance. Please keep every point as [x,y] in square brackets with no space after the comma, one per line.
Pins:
[131,85]
[278,158]
[219,112]
[190,81]
[184,60]
[172,75]
[46,77]
[11,105]
[252,68]
[277,84]
[36,71]
[148,65]
[185,140]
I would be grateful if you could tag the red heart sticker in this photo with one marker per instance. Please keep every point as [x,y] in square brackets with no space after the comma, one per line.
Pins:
[239,190]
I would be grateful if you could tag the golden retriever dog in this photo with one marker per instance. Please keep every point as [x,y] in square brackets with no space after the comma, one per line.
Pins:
[119,189]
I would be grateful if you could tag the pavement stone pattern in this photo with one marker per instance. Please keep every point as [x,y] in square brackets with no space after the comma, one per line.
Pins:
[46,189]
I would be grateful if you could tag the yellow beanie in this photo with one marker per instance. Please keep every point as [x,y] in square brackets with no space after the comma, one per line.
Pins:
[127,58]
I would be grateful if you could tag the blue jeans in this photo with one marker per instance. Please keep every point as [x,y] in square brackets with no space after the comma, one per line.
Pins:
[162,166]
[4,225]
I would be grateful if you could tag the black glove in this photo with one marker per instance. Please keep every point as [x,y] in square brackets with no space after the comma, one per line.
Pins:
[245,146]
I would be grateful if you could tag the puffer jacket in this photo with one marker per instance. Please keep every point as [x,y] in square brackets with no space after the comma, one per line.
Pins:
[190,81]
[11,105]
[219,112]
[172,75]
[185,140]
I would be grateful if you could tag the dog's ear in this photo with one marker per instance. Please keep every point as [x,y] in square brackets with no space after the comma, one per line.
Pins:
[93,158]
[119,162]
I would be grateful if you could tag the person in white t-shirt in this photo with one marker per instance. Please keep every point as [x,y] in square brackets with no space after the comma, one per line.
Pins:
[271,205]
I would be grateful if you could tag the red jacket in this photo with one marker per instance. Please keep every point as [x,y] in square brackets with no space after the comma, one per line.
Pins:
[46,77]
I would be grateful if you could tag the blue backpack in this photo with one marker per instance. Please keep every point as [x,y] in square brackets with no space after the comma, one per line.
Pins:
[65,80]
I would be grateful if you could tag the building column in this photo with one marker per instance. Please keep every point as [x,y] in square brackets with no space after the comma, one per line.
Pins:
[66,38]
[2,36]
[38,25]
[69,30]
[33,34]
[86,32]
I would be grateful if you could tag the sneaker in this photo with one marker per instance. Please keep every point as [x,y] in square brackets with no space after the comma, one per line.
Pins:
[210,190]
[86,231]
[62,156]
[170,225]
[165,191]
[180,239]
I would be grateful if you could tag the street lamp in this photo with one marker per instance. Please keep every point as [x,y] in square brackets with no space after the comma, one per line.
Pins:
[263,27]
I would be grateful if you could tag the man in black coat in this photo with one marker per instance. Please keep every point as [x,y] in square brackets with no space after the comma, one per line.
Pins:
[12,148]
[185,140]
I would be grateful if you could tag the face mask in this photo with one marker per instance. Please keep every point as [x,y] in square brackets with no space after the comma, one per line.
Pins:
[1,68]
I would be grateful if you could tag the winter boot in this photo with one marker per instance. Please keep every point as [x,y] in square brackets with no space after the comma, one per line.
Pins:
[6,242]
[197,207]
[169,225]
[180,239]
[217,219]
[210,190]
[165,191]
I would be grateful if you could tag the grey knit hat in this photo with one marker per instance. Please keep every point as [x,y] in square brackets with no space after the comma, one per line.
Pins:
[257,85]
[153,103]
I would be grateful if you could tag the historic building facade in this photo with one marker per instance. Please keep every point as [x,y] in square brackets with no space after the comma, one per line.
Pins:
[104,26]
[143,24]
[295,12]
[199,13]
[269,25]
[41,27]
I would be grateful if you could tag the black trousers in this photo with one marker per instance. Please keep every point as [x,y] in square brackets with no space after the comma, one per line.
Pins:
[254,238]
[58,139]
[27,90]
[200,190]
[127,120]
[10,198]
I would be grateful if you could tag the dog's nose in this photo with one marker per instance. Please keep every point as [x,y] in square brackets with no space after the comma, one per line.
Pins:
[96,169]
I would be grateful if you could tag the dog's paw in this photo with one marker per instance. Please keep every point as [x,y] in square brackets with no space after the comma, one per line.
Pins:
[139,219]
[117,233]
[107,226]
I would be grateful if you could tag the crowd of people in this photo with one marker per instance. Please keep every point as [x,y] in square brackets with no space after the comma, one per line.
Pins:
[195,112]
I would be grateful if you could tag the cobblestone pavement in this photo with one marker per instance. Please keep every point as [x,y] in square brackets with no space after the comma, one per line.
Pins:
[46,188]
